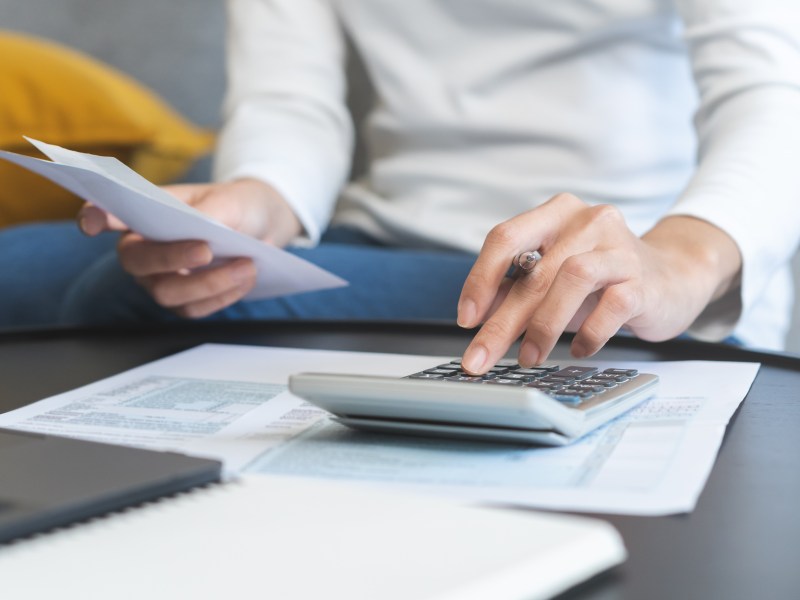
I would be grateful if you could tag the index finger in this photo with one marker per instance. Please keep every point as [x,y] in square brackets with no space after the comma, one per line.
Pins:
[510,319]
[528,231]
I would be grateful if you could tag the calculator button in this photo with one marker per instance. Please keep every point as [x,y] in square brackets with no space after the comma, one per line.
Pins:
[623,372]
[504,381]
[547,367]
[606,383]
[542,385]
[591,389]
[576,389]
[575,372]
[562,380]
[518,376]
[466,378]
[443,372]
[610,377]
[568,397]
[507,362]
[425,376]
[450,366]
[534,373]
[499,370]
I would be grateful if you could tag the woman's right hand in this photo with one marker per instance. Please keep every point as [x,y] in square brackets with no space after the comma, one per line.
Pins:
[595,277]
[176,274]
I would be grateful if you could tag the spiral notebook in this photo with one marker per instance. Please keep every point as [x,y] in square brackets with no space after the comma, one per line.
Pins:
[48,481]
[280,537]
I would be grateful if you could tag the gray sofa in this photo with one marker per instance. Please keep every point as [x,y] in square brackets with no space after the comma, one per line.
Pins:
[176,47]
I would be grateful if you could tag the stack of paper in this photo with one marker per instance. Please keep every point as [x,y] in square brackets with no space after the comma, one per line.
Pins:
[157,215]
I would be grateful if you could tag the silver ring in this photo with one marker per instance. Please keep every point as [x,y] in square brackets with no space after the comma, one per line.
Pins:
[524,262]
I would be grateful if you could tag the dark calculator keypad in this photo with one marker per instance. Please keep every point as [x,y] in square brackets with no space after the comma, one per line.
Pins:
[571,384]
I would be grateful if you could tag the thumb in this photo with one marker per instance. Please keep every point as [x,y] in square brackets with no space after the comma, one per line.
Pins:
[213,200]
[93,220]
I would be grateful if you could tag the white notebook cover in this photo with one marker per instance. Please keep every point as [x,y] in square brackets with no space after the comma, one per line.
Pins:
[283,538]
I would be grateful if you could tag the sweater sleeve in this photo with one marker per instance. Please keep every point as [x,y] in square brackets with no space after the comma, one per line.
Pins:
[746,62]
[285,120]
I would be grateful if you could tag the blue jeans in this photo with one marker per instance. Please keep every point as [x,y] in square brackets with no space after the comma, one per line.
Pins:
[53,275]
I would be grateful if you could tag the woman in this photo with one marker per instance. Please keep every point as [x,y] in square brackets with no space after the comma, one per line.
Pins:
[575,116]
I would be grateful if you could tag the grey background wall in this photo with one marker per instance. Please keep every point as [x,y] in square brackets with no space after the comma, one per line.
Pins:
[176,48]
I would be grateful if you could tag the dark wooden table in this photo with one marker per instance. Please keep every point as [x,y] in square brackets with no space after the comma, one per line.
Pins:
[742,540]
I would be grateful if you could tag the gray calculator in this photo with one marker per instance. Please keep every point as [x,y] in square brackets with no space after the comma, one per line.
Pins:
[551,404]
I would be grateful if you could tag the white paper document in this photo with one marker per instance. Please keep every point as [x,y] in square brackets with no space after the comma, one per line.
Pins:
[154,213]
[231,403]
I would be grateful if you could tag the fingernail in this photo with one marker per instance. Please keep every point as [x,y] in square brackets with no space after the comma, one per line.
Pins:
[474,359]
[466,313]
[528,354]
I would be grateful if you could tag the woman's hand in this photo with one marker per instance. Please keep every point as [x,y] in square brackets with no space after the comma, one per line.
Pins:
[176,274]
[595,277]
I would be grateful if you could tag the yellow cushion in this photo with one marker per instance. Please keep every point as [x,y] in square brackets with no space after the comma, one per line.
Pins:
[60,96]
